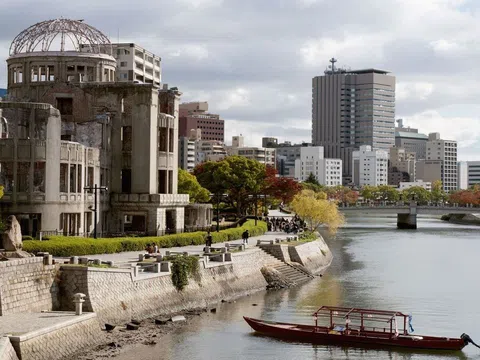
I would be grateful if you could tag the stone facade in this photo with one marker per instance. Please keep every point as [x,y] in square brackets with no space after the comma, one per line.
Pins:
[59,342]
[118,296]
[121,136]
[7,352]
[27,285]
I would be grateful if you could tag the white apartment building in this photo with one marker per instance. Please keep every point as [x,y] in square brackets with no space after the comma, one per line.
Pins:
[427,185]
[186,153]
[135,64]
[263,155]
[440,162]
[369,167]
[312,161]
[209,150]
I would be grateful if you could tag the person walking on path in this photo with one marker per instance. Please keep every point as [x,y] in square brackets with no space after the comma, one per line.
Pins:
[208,239]
[245,236]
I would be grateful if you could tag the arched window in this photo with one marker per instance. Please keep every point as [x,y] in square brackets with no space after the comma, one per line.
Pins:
[3,128]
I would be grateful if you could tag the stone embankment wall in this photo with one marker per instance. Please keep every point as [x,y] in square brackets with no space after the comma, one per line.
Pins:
[59,342]
[118,296]
[7,352]
[313,255]
[27,285]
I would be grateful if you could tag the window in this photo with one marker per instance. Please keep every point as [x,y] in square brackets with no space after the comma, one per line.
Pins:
[123,64]
[162,139]
[126,137]
[6,175]
[73,178]
[65,106]
[39,176]
[23,176]
[63,177]
[126,181]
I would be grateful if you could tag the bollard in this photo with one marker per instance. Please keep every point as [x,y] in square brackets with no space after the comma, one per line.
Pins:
[223,250]
[185,253]
[159,258]
[97,262]
[83,260]
[78,299]
[141,257]
[74,260]
[206,249]
[165,266]
[110,263]
[167,253]
[157,268]
[47,259]
[259,242]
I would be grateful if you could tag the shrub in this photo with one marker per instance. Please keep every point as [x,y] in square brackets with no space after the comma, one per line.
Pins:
[26,237]
[70,245]
[182,268]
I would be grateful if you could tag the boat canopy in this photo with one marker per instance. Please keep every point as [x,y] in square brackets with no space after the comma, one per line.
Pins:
[357,318]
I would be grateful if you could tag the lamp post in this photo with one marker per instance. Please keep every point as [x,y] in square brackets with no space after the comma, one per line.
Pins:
[95,189]
[218,212]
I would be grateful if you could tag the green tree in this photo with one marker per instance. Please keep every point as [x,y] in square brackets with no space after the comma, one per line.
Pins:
[417,193]
[188,184]
[241,179]
[438,194]
[312,180]
[387,193]
[369,192]
[316,211]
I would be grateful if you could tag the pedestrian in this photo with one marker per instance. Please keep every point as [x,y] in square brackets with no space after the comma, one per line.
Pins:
[208,239]
[245,236]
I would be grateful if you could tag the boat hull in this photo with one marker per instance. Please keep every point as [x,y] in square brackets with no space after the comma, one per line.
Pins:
[321,335]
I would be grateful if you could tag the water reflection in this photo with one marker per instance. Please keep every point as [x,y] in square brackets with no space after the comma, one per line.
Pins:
[429,272]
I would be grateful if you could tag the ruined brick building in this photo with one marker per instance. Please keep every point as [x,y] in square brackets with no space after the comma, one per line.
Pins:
[68,124]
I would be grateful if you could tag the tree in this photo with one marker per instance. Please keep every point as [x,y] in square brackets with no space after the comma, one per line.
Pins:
[316,212]
[387,193]
[438,194]
[369,192]
[417,193]
[241,179]
[2,226]
[188,184]
[312,180]
[284,189]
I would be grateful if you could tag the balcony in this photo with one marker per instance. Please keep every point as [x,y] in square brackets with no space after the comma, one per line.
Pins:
[151,199]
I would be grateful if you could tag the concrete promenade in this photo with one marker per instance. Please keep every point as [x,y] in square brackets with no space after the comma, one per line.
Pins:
[125,259]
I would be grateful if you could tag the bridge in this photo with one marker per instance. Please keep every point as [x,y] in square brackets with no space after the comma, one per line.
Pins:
[407,214]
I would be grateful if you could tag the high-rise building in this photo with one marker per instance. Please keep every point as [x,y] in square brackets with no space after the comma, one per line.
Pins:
[409,139]
[401,166]
[473,173]
[440,162]
[326,171]
[195,115]
[351,108]
[462,175]
[286,156]
[369,166]
[269,142]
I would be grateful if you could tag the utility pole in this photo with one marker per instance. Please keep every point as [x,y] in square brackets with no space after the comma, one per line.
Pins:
[95,189]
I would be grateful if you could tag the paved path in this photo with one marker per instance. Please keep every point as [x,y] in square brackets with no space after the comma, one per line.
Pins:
[124,259]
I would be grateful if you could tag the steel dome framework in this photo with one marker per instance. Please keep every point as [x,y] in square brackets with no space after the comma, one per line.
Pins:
[40,37]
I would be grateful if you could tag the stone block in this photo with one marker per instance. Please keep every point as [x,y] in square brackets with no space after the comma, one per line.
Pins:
[74,260]
[165,266]
[83,260]
[141,257]
[47,259]
[159,258]
[228,257]
[97,262]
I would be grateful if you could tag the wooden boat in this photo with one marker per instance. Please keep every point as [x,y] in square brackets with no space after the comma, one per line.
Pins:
[358,327]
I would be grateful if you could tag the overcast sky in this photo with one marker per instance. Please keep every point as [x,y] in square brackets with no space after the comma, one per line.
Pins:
[253,60]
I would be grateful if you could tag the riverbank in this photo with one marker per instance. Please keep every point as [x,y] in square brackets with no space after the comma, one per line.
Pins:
[462,219]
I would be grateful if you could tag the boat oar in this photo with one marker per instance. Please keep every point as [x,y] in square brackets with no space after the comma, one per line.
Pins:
[468,339]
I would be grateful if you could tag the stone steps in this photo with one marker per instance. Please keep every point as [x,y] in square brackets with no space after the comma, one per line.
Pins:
[292,274]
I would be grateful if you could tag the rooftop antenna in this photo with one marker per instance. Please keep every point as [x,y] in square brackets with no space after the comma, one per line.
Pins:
[333,61]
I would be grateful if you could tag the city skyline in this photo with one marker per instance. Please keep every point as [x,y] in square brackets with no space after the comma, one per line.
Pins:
[256,72]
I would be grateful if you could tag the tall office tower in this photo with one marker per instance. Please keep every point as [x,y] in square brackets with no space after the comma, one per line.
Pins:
[351,108]
[440,163]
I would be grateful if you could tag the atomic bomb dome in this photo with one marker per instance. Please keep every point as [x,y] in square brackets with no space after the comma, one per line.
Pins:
[58,51]
[45,35]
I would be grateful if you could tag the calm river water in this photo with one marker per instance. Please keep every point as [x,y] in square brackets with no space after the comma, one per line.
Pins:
[432,273]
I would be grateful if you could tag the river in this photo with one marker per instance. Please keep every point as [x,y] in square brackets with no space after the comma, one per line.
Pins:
[430,273]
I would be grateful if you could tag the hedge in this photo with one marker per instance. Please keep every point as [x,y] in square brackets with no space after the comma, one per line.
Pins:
[70,245]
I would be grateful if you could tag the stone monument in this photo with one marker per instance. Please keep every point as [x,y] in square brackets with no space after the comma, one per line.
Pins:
[12,240]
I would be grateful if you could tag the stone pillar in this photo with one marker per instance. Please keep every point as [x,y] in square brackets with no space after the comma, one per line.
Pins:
[407,221]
